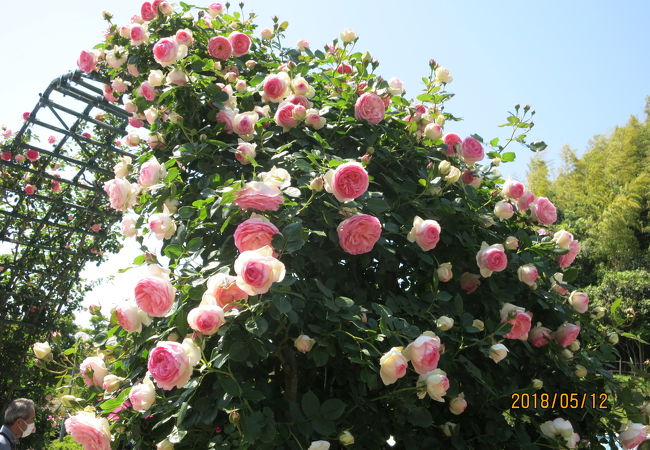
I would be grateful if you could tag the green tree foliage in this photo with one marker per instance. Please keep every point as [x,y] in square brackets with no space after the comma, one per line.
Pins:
[538,176]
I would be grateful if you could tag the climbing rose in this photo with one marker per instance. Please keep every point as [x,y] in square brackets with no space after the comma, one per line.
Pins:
[121,193]
[543,211]
[392,366]
[539,336]
[347,182]
[243,150]
[469,282]
[436,383]
[498,352]
[243,124]
[528,274]
[285,116]
[303,343]
[491,258]
[162,225]
[424,352]
[155,295]
[254,233]
[223,291]
[579,301]
[633,435]
[426,233]
[276,87]
[151,172]
[165,51]
[91,432]
[143,395]
[444,272]
[130,317]
[370,107]
[259,196]
[563,239]
[97,369]
[257,270]
[219,47]
[169,365]
[458,404]
[567,259]
[566,334]
[520,322]
[453,143]
[471,151]
[359,233]
[240,43]
[206,319]
[87,61]
[512,189]
[524,202]
[184,37]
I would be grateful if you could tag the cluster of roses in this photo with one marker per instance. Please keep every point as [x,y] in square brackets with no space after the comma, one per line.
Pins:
[32,155]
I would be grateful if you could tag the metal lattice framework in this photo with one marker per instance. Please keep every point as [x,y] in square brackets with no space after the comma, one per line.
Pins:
[47,235]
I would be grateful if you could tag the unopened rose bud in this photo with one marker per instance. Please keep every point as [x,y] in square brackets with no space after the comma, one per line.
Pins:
[478,324]
[445,323]
[303,343]
[581,371]
[267,34]
[233,417]
[537,383]
[444,167]
[612,338]
[575,346]
[241,86]
[566,354]
[512,243]
[365,159]
[454,175]
[107,15]
[316,184]
[526,107]
[346,438]
[444,272]
[496,161]
[250,64]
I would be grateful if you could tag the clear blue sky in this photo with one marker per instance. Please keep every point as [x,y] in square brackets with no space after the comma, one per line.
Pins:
[583,65]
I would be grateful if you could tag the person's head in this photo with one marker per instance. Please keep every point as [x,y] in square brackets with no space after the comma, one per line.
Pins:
[19,417]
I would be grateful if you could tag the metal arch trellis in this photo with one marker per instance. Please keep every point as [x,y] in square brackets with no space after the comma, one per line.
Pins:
[53,211]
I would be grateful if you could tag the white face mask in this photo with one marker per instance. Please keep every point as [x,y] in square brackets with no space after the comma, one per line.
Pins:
[29,430]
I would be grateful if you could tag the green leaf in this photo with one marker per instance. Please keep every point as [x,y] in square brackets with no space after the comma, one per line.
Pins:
[615,306]
[257,325]
[185,212]
[634,337]
[420,417]
[282,304]
[173,251]
[138,260]
[310,405]
[508,156]
[332,408]
[195,244]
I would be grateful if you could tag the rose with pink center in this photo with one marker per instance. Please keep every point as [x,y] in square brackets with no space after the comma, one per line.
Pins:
[87,61]
[129,317]
[453,143]
[155,295]
[184,37]
[223,291]
[226,116]
[151,173]
[219,47]
[359,234]
[32,155]
[513,189]
[254,233]
[539,336]
[284,116]
[347,182]
[526,199]
[424,353]
[147,91]
[244,150]
[543,211]
[206,319]
[147,12]
[165,51]
[93,369]
[491,258]
[370,107]
[519,319]
[169,365]
[240,43]
[426,233]
[138,34]
[244,124]
[567,259]
[392,366]
[260,196]
[528,274]
[566,334]
[121,193]
[93,433]
[469,282]
[257,270]
[471,151]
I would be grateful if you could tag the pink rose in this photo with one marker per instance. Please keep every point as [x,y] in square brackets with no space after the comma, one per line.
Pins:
[528,274]
[93,370]
[491,258]
[215,9]
[129,317]
[243,150]
[138,35]
[579,301]
[226,116]
[259,196]
[518,318]
[471,178]
[276,87]
[6,156]
[51,140]
[344,69]
[257,270]
[184,37]
[567,259]
[32,155]
[392,366]
[155,295]
[30,189]
[426,233]
[526,199]
[299,100]
[370,107]
[223,291]
[458,404]
[543,211]
[471,151]
[91,432]
[169,365]
[151,172]
[147,91]
[424,353]
[453,143]
[240,43]
[121,193]
[142,395]
[469,282]
[162,225]
[566,334]
[347,182]
[284,116]
[563,239]
[244,124]
[165,51]
[436,383]
[219,47]
[359,234]
[147,12]
[314,120]
[633,435]
[254,233]
[539,336]
[503,210]
[87,61]
[513,189]
[206,319]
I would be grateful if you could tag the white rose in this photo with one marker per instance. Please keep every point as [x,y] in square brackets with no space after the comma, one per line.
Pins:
[42,350]
[498,352]
[348,36]
[445,323]
[304,343]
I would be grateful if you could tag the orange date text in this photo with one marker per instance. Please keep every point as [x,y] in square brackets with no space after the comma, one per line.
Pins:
[559,400]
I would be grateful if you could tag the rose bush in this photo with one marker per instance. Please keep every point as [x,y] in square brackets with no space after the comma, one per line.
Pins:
[306,272]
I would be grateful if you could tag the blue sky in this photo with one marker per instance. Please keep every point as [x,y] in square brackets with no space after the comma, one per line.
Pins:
[583,65]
